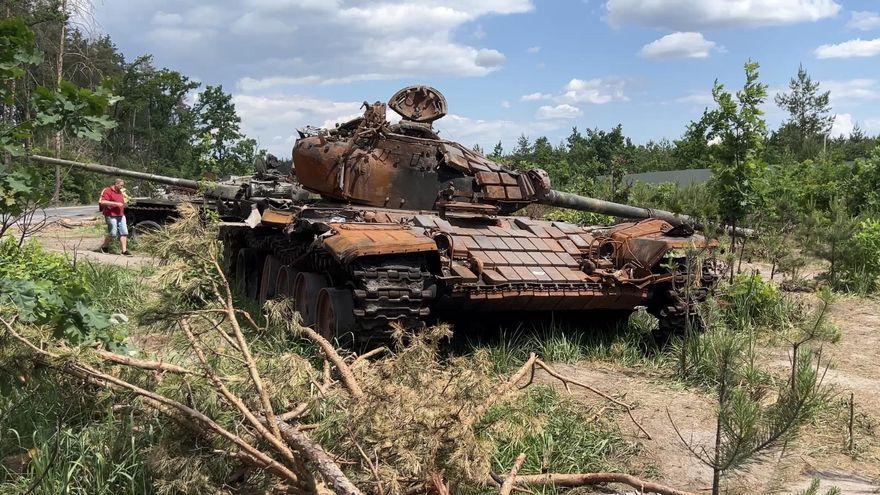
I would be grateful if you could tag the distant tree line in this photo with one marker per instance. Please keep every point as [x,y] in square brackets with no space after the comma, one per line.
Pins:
[165,122]
[586,154]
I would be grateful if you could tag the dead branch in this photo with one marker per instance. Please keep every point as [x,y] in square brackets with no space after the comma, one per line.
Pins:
[143,364]
[226,299]
[318,457]
[348,379]
[507,486]
[576,480]
[233,399]
[367,355]
[566,380]
[503,390]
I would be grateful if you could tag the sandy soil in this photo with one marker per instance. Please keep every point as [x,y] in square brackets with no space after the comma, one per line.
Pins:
[818,452]
[82,242]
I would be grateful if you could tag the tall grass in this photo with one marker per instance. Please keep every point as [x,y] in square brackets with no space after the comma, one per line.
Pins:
[626,342]
[56,439]
[557,435]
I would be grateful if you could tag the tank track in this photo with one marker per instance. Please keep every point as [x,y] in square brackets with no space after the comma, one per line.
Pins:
[678,310]
[391,291]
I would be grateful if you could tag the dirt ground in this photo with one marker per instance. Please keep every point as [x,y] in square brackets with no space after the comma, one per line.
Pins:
[83,241]
[819,451]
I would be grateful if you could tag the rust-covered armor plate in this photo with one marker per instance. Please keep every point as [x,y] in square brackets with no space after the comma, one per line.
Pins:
[403,225]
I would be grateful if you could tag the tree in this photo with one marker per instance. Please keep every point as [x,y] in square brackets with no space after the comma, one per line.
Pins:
[748,421]
[738,128]
[68,109]
[497,152]
[809,113]
[224,149]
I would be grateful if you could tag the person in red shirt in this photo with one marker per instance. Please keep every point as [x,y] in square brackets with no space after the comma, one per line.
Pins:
[112,204]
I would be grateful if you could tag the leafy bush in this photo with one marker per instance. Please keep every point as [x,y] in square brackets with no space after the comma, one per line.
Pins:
[749,300]
[860,258]
[45,288]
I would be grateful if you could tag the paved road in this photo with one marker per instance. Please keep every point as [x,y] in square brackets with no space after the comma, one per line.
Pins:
[72,212]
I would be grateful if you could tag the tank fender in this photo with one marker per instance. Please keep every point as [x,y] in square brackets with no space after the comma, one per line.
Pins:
[348,241]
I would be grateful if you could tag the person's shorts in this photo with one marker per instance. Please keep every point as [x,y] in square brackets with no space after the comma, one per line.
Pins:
[116,226]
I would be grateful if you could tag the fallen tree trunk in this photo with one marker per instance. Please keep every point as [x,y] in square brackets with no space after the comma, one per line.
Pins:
[576,480]
[324,464]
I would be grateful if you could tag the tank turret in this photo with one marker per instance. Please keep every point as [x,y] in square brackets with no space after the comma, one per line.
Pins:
[370,161]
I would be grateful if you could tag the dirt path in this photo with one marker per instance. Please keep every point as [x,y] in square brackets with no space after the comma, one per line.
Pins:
[818,452]
[82,243]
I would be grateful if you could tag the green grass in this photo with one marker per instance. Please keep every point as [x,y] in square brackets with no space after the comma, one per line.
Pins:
[557,435]
[66,440]
[628,343]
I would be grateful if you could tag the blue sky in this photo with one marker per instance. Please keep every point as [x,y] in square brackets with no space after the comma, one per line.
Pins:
[536,67]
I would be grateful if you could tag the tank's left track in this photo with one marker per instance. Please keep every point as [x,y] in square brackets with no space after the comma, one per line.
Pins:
[384,290]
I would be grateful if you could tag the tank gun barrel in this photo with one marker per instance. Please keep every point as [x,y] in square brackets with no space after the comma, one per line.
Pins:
[211,189]
[583,203]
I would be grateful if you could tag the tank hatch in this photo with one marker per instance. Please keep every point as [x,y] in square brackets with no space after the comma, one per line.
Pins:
[419,104]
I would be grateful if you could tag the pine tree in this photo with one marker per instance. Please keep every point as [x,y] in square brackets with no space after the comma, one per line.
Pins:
[809,113]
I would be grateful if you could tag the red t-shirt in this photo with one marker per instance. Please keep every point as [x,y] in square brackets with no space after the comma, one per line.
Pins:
[109,194]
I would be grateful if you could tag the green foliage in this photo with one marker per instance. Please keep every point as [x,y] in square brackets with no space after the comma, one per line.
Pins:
[58,437]
[739,127]
[75,110]
[859,267]
[557,434]
[223,148]
[750,301]
[19,191]
[46,289]
[809,116]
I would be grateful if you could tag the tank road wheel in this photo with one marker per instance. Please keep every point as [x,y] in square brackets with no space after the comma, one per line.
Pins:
[248,268]
[268,288]
[305,295]
[284,281]
[334,312]
[142,228]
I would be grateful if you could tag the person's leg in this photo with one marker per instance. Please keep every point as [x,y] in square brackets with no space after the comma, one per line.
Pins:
[111,232]
[123,234]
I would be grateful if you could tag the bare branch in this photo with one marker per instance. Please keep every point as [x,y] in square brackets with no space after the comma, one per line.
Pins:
[507,486]
[576,480]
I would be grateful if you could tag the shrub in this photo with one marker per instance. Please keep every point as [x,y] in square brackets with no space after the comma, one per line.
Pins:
[749,300]
[860,258]
[45,288]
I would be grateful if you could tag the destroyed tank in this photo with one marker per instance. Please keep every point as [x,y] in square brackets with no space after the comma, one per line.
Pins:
[408,227]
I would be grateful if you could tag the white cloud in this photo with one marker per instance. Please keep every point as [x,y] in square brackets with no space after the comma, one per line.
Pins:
[174,36]
[864,20]
[563,111]
[505,104]
[679,45]
[486,133]
[253,24]
[281,115]
[843,125]
[165,19]
[535,97]
[269,42]
[596,91]
[533,49]
[850,49]
[700,14]
[852,89]
[701,98]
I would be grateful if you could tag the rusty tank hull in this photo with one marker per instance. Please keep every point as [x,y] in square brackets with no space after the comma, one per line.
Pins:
[359,270]
[404,227]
